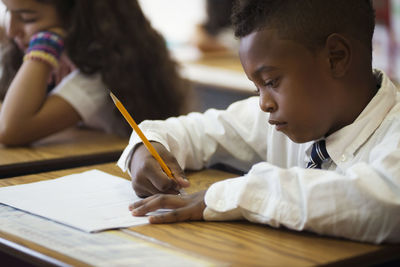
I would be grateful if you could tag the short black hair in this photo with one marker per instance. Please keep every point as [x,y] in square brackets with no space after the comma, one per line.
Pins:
[308,22]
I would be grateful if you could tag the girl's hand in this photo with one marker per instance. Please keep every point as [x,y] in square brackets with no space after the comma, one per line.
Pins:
[148,178]
[58,30]
[65,64]
[65,67]
[185,207]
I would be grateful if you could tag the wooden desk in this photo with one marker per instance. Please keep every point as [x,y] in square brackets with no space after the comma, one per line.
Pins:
[234,243]
[70,148]
[218,80]
[218,70]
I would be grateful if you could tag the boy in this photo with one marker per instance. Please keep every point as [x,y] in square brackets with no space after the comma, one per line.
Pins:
[327,162]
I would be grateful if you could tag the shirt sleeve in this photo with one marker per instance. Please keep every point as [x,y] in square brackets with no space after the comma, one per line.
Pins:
[83,93]
[234,137]
[362,204]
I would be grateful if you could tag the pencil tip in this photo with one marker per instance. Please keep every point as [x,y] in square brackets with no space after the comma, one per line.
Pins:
[114,98]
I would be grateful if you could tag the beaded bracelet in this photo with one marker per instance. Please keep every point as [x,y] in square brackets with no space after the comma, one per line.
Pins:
[46,47]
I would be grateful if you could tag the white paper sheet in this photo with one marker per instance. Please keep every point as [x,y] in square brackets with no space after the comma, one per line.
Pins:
[91,201]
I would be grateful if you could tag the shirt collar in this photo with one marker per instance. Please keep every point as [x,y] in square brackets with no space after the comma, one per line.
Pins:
[344,142]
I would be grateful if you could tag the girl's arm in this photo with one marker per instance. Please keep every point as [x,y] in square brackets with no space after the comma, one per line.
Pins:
[27,114]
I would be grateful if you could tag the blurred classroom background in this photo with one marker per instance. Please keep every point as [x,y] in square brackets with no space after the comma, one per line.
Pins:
[177,20]
[217,77]
[386,42]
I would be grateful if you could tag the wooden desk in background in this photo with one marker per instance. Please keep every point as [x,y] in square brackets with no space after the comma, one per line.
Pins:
[232,243]
[70,148]
[218,70]
[221,70]
[218,80]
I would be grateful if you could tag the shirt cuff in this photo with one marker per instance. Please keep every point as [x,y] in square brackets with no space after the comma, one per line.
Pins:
[212,215]
[222,200]
[125,158]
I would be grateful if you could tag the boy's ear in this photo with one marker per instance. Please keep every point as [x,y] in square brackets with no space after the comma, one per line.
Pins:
[339,54]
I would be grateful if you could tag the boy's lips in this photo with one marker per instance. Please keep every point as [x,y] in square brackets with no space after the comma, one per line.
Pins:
[279,125]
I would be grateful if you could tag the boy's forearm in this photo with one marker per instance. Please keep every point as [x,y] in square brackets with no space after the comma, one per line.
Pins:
[296,199]
[198,139]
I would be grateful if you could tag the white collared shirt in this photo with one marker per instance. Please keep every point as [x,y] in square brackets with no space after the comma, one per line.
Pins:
[356,195]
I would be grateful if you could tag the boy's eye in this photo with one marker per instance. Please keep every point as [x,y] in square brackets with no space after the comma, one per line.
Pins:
[272,83]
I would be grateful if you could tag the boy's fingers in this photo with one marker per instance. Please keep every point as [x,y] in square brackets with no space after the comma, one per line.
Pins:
[164,185]
[173,192]
[181,181]
[137,204]
[144,188]
[142,202]
[187,213]
[178,173]
[156,202]
[160,179]
[177,215]
[149,177]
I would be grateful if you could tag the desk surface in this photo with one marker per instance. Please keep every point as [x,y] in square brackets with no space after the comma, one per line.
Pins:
[218,70]
[70,148]
[234,243]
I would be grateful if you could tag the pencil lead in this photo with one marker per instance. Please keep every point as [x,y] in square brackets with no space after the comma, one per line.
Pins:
[114,98]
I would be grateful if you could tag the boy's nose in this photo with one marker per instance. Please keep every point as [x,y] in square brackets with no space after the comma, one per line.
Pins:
[267,103]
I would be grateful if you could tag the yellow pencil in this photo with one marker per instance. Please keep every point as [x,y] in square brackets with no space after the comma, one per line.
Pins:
[146,142]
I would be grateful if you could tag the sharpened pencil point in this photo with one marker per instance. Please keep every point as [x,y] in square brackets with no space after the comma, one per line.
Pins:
[114,98]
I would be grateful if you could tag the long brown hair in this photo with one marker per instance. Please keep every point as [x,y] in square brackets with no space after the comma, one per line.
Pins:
[115,39]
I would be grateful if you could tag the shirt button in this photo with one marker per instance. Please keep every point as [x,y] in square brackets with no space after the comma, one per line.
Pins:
[343,158]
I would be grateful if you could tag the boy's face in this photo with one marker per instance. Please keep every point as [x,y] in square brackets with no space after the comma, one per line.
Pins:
[293,84]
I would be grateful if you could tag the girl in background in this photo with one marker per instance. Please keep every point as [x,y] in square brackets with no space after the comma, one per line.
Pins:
[61,58]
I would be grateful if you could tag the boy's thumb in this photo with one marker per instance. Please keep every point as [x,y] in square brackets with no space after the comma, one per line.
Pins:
[181,179]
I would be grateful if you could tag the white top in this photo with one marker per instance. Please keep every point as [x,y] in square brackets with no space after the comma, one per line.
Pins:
[90,98]
[356,195]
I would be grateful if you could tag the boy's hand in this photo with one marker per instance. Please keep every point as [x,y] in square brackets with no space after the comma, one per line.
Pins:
[185,207]
[148,178]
